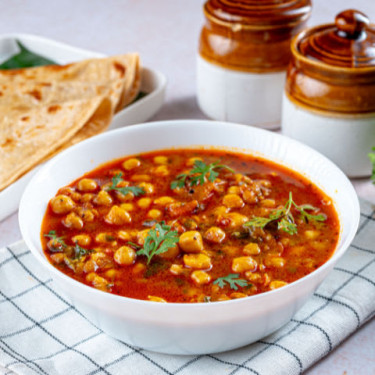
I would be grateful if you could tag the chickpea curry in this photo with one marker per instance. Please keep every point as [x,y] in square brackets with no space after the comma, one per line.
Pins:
[189,226]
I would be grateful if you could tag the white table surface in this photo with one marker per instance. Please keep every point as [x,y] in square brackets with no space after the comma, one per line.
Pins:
[165,33]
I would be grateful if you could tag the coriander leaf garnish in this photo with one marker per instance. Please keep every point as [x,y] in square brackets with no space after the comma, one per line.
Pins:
[232,280]
[57,242]
[126,189]
[158,241]
[371,156]
[79,252]
[284,217]
[199,174]
[25,59]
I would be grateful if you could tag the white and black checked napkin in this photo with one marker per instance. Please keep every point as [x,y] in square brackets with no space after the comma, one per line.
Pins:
[42,333]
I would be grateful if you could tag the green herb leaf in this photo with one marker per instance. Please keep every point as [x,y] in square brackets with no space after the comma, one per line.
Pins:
[79,252]
[371,155]
[57,242]
[232,280]
[25,59]
[284,217]
[126,189]
[158,241]
[199,174]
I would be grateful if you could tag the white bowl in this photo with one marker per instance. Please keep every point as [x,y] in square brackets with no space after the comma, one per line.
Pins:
[246,98]
[178,328]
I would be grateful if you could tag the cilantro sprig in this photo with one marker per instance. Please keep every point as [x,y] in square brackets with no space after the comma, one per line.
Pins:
[80,252]
[232,280]
[125,189]
[199,174]
[158,241]
[371,156]
[284,217]
[57,242]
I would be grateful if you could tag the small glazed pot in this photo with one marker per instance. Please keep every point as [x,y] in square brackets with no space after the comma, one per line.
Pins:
[329,97]
[244,52]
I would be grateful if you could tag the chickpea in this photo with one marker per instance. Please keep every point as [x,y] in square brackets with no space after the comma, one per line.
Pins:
[277,284]
[58,258]
[161,171]
[148,188]
[105,238]
[62,204]
[154,214]
[122,235]
[87,184]
[138,268]
[171,253]
[311,234]
[236,295]
[131,164]
[161,160]
[251,249]
[73,221]
[233,201]
[197,261]
[144,202]
[234,190]
[253,276]
[156,299]
[141,236]
[87,197]
[118,216]
[82,239]
[191,242]
[243,264]
[176,269]
[112,274]
[220,211]
[192,161]
[127,206]
[200,277]
[103,198]
[214,234]
[125,256]
[90,266]
[269,203]
[102,260]
[86,214]
[162,201]
[100,283]
[276,262]
[236,219]
[249,196]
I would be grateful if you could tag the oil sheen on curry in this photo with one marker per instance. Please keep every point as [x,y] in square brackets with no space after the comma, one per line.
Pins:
[189,226]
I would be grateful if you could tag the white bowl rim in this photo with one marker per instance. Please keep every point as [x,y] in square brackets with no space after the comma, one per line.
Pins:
[339,251]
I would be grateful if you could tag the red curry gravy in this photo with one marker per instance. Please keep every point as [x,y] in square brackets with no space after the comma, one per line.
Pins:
[190,226]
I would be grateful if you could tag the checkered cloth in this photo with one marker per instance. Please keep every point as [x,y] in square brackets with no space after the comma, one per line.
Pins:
[42,333]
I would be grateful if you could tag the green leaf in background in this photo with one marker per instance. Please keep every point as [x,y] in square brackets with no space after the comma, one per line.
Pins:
[25,59]
[371,155]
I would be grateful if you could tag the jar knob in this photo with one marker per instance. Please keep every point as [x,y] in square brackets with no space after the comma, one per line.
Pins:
[351,23]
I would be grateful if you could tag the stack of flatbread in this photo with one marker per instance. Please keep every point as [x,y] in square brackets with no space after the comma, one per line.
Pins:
[46,109]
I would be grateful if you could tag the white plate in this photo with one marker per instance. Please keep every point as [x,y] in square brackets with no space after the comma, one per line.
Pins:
[153,83]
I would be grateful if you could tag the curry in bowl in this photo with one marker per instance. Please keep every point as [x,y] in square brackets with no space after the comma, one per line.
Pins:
[189,225]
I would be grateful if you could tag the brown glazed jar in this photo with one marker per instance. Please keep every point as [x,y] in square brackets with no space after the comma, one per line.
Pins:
[329,100]
[244,48]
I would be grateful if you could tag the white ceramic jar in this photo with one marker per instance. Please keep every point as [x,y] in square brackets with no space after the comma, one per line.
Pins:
[329,100]
[243,55]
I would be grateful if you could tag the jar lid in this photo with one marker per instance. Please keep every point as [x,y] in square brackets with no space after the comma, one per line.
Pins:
[348,43]
[258,13]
